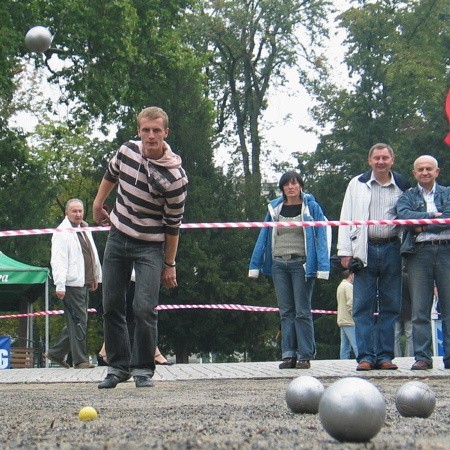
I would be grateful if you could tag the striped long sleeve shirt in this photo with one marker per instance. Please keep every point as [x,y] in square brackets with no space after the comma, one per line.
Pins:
[150,194]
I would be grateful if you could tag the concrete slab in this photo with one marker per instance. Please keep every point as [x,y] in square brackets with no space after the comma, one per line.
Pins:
[224,371]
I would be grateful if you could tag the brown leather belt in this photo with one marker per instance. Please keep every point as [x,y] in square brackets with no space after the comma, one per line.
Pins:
[381,241]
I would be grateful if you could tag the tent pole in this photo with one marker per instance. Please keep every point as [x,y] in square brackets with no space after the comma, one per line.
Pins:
[30,327]
[47,307]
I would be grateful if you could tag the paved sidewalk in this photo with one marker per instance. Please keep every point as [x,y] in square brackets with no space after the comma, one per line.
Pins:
[226,371]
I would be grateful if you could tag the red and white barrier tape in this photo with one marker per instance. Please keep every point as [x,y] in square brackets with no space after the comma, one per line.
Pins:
[210,225]
[54,312]
[317,223]
[228,307]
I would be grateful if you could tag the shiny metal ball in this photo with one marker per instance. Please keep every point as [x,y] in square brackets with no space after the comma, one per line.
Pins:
[38,39]
[303,395]
[415,399]
[352,410]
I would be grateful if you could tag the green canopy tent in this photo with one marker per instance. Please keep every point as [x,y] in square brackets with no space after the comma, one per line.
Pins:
[20,286]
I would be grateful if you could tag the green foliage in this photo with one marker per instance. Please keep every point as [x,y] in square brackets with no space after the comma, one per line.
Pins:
[108,74]
[25,198]
[212,269]
[121,55]
[249,44]
[397,57]
[202,62]
[11,42]
[72,160]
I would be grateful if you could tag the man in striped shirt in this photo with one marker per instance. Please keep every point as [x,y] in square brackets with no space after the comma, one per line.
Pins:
[145,221]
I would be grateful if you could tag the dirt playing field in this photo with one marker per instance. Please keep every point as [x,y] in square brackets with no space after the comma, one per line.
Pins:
[204,414]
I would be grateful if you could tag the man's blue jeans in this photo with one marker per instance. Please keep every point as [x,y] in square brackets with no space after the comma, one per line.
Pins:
[348,342]
[430,265]
[121,254]
[294,294]
[382,276]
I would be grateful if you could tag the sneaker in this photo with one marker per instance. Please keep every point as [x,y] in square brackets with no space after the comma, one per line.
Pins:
[143,381]
[111,381]
[56,360]
[288,363]
[84,365]
[303,364]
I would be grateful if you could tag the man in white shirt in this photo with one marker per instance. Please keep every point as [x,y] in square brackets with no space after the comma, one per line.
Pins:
[373,196]
[76,271]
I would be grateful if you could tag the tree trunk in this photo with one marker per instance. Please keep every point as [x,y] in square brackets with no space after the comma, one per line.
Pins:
[182,356]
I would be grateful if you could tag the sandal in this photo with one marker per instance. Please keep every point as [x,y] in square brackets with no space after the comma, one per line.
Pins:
[101,360]
[162,363]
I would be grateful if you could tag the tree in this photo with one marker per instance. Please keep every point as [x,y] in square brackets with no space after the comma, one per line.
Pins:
[249,44]
[106,78]
[212,269]
[398,58]
[10,64]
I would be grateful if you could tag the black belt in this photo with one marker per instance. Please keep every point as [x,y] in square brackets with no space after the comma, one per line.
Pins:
[135,240]
[381,241]
[289,257]
[436,242]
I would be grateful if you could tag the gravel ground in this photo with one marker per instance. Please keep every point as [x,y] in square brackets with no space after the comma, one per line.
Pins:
[206,414]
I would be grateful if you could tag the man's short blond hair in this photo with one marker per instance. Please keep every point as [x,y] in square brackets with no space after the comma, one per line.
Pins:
[152,113]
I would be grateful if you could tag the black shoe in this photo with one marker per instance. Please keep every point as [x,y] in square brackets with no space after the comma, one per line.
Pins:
[303,364]
[110,382]
[162,363]
[165,363]
[143,381]
[101,360]
[288,363]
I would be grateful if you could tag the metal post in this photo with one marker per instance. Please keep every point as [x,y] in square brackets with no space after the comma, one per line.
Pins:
[47,335]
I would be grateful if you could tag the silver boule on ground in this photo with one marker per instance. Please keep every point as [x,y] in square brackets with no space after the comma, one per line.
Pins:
[352,410]
[303,395]
[415,399]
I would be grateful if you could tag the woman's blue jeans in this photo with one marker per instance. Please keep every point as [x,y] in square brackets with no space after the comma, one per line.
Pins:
[294,293]
[121,254]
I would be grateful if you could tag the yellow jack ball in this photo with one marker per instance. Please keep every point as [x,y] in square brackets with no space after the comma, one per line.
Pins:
[87,413]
